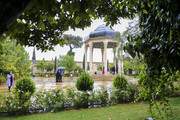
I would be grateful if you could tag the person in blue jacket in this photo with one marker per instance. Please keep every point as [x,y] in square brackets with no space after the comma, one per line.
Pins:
[60,72]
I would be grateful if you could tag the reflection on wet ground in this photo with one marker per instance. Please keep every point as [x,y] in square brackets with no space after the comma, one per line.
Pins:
[50,83]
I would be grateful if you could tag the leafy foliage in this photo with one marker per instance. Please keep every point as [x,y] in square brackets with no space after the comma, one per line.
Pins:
[158,42]
[42,23]
[85,82]
[14,58]
[99,67]
[49,67]
[67,62]
[2,78]
[160,88]
[42,65]
[25,84]
[120,82]
[73,42]
[136,64]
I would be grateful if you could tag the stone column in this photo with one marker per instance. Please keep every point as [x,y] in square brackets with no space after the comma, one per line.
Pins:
[114,50]
[102,51]
[122,68]
[120,63]
[119,66]
[91,57]
[85,49]
[105,56]
[119,60]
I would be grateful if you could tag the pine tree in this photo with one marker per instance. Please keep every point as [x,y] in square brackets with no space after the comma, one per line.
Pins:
[34,55]
[84,62]
[88,66]
[107,64]
[55,63]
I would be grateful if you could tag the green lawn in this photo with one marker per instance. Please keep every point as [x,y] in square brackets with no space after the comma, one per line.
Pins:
[136,111]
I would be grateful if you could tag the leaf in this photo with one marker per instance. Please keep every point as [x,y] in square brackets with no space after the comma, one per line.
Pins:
[77,20]
[144,11]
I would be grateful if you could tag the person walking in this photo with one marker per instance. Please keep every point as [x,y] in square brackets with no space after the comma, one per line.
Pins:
[60,72]
[57,76]
[10,80]
[71,75]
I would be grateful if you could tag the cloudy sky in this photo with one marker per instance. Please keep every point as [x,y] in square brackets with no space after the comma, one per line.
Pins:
[49,55]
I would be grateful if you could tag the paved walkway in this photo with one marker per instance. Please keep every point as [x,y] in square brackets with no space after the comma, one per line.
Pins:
[50,83]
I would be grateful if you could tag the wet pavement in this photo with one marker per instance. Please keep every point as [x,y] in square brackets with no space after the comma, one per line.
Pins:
[50,83]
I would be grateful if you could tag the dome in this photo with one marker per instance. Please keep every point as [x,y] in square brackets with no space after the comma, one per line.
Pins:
[102,31]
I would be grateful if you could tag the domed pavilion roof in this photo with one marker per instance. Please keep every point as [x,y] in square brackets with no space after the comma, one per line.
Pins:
[102,31]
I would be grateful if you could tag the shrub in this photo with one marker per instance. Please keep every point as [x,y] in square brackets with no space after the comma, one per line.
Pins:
[23,85]
[81,100]
[76,74]
[142,76]
[133,92]
[118,96]
[42,74]
[66,74]
[54,100]
[120,82]
[102,97]
[2,79]
[84,82]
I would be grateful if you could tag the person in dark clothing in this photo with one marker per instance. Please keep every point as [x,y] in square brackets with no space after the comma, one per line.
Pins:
[10,81]
[60,72]
[57,76]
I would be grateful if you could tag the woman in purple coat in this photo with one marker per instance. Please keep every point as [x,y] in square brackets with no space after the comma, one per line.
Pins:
[10,81]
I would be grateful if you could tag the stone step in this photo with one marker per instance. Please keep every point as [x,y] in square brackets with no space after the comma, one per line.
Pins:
[103,77]
[110,78]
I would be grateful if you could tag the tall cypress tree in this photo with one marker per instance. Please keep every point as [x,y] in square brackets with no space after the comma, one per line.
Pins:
[107,65]
[88,66]
[84,62]
[55,63]
[34,55]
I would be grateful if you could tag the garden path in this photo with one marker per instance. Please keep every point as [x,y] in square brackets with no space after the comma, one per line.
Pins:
[50,83]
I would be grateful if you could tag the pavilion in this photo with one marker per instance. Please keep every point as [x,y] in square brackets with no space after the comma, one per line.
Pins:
[103,37]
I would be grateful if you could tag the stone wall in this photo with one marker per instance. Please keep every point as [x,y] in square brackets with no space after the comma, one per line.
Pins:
[35,70]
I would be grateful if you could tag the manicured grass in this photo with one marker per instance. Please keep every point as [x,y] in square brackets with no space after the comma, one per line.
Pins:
[137,111]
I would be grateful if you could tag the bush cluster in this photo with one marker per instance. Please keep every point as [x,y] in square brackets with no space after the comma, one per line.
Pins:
[2,78]
[17,103]
[84,82]
[120,82]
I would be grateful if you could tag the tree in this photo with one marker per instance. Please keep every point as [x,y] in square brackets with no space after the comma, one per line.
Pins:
[136,64]
[158,42]
[34,55]
[41,65]
[79,69]
[14,58]
[88,68]
[49,67]
[67,62]
[111,65]
[55,64]
[73,42]
[84,62]
[42,23]
[107,64]
[99,67]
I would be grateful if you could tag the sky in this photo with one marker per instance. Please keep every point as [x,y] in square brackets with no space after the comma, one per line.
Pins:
[79,52]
